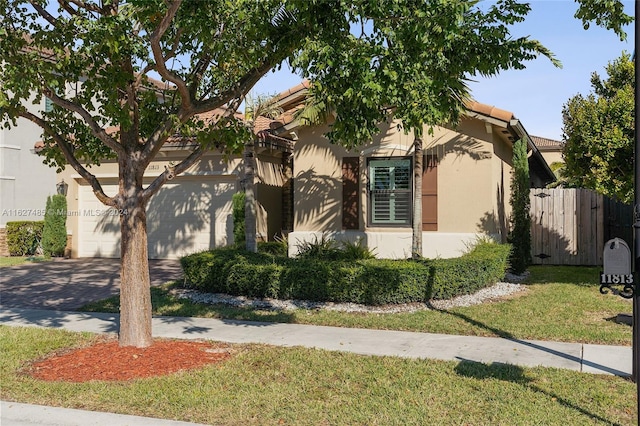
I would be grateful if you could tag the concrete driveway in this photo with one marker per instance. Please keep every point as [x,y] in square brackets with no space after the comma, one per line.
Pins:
[71,283]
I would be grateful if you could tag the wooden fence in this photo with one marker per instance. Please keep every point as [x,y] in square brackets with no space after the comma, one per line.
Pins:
[570,226]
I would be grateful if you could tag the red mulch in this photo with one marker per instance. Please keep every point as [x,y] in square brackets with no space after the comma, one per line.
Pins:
[108,361]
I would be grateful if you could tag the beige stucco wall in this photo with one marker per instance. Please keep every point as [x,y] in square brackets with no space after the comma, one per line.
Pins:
[268,183]
[474,169]
[552,156]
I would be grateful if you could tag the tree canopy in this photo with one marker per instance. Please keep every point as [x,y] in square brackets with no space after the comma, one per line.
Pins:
[599,133]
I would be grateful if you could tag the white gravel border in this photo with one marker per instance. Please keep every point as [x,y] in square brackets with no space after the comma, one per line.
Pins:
[495,292]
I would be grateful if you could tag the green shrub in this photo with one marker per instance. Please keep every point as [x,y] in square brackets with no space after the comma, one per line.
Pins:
[356,250]
[23,237]
[54,233]
[325,248]
[371,281]
[520,233]
[237,202]
[483,266]
[276,248]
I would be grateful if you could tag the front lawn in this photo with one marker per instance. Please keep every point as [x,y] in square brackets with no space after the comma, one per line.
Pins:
[20,260]
[263,385]
[561,303]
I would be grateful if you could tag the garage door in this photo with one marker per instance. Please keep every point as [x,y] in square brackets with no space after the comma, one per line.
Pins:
[185,216]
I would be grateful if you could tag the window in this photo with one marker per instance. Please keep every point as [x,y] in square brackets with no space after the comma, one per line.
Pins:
[390,192]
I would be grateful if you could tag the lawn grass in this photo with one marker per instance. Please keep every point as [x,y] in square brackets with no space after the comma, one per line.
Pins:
[262,385]
[20,260]
[561,303]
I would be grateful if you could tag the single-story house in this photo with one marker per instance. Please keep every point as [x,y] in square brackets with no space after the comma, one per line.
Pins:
[366,193]
[307,187]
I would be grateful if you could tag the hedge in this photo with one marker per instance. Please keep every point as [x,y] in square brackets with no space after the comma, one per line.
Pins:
[23,237]
[372,281]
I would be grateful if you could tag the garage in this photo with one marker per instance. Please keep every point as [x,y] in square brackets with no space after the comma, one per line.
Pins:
[188,214]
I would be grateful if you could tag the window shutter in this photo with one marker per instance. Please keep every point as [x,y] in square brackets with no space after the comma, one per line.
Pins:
[430,194]
[350,196]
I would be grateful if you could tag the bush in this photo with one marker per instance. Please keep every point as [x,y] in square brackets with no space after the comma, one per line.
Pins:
[276,248]
[483,266]
[54,233]
[327,248]
[372,281]
[237,201]
[23,237]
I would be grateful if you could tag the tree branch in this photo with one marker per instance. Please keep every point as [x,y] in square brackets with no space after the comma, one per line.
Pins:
[67,151]
[172,172]
[46,15]
[238,92]
[96,129]
[156,49]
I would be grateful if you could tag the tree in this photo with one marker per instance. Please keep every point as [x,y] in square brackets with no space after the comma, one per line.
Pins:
[417,72]
[96,60]
[599,133]
[520,234]
[54,233]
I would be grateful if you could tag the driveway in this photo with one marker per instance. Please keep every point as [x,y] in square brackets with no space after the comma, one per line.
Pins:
[71,283]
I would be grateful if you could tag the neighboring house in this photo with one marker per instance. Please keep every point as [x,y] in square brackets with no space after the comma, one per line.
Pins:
[25,182]
[366,193]
[550,149]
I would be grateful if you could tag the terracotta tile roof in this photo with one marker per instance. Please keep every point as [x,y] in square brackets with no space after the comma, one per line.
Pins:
[546,144]
[490,111]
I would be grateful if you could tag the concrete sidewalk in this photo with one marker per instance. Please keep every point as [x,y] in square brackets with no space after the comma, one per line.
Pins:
[17,414]
[587,358]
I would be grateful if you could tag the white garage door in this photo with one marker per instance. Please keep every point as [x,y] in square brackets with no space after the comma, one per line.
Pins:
[185,216]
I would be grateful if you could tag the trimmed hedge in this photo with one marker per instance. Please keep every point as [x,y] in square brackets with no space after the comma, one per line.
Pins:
[23,237]
[371,281]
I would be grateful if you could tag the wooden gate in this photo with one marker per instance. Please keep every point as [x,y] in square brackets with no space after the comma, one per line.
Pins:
[570,226]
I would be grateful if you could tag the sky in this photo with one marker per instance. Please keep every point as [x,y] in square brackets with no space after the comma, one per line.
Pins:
[536,94]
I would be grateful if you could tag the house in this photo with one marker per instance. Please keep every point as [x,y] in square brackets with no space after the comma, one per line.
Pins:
[25,182]
[366,193]
[307,187]
[550,149]
[192,212]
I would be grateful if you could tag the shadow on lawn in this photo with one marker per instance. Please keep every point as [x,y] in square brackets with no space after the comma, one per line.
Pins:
[516,375]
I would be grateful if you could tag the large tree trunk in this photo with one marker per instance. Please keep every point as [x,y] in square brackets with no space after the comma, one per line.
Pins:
[418,165]
[135,285]
[250,227]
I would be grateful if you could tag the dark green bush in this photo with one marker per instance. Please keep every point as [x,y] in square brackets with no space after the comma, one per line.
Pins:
[276,248]
[485,265]
[54,233]
[23,237]
[237,203]
[372,281]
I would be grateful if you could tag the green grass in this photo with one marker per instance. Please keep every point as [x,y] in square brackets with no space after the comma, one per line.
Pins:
[560,303]
[263,385]
[20,260]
